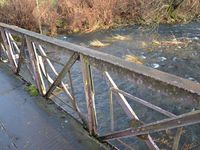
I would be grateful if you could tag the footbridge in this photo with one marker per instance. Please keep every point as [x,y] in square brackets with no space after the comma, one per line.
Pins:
[87,84]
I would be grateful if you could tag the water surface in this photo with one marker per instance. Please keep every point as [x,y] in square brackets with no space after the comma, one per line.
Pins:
[153,48]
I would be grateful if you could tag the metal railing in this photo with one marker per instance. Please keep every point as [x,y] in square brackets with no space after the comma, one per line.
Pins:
[22,47]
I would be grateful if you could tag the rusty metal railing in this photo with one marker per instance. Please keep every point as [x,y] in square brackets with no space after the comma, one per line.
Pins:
[23,49]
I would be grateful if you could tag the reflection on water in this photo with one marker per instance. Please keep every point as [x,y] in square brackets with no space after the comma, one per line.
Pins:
[172,49]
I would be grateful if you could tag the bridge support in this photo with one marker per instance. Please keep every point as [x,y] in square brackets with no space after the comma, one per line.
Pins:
[89,95]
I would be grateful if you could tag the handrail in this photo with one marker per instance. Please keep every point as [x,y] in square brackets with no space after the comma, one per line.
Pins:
[36,57]
[125,66]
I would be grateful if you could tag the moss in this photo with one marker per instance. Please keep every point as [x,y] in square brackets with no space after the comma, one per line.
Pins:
[31,89]
[16,38]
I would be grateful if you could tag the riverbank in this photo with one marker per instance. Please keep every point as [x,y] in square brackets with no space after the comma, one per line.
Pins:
[59,16]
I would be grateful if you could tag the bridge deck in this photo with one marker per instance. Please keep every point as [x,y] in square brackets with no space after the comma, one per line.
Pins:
[26,123]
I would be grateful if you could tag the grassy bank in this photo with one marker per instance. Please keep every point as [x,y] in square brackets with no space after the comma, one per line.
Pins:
[89,15]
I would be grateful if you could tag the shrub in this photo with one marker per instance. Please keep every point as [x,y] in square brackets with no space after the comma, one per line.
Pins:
[20,13]
[89,15]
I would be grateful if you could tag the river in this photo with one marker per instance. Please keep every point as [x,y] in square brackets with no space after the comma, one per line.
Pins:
[173,49]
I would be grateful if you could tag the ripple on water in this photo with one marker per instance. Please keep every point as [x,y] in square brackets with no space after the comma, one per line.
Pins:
[143,57]
[195,38]
[155,66]
[162,58]
[192,79]
[174,59]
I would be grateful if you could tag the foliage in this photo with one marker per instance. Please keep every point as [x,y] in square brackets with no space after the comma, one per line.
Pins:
[90,15]
[20,13]
[31,89]
[2,2]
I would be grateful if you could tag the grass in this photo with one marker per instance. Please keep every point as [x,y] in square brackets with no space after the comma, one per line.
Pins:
[120,37]
[134,59]
[156,43]
[97,43]
[31,89]
[173,42]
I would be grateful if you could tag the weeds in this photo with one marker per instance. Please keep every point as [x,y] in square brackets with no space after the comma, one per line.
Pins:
[134,59]
[97,43]
[90,15]
[20,13]
[120,37]
[31,89]
[173,42]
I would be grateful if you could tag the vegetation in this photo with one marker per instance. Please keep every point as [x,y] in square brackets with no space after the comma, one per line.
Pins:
[134,59]
[97,43]
[173,42]
[120,37]
[2,2]
[89,15]
[31,89]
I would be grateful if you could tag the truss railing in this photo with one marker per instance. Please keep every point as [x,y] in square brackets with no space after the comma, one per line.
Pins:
[22,47]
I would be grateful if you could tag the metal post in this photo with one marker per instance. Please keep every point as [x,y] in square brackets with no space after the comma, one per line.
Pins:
[8,49]
[89,95]
[111,110]
[34,65]
[21,55]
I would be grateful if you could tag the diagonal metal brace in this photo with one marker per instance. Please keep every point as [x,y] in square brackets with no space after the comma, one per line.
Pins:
[170,123]
[130,113]
[66,68]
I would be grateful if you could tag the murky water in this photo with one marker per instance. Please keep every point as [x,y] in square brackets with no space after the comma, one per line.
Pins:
[173,49]
[179,59]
